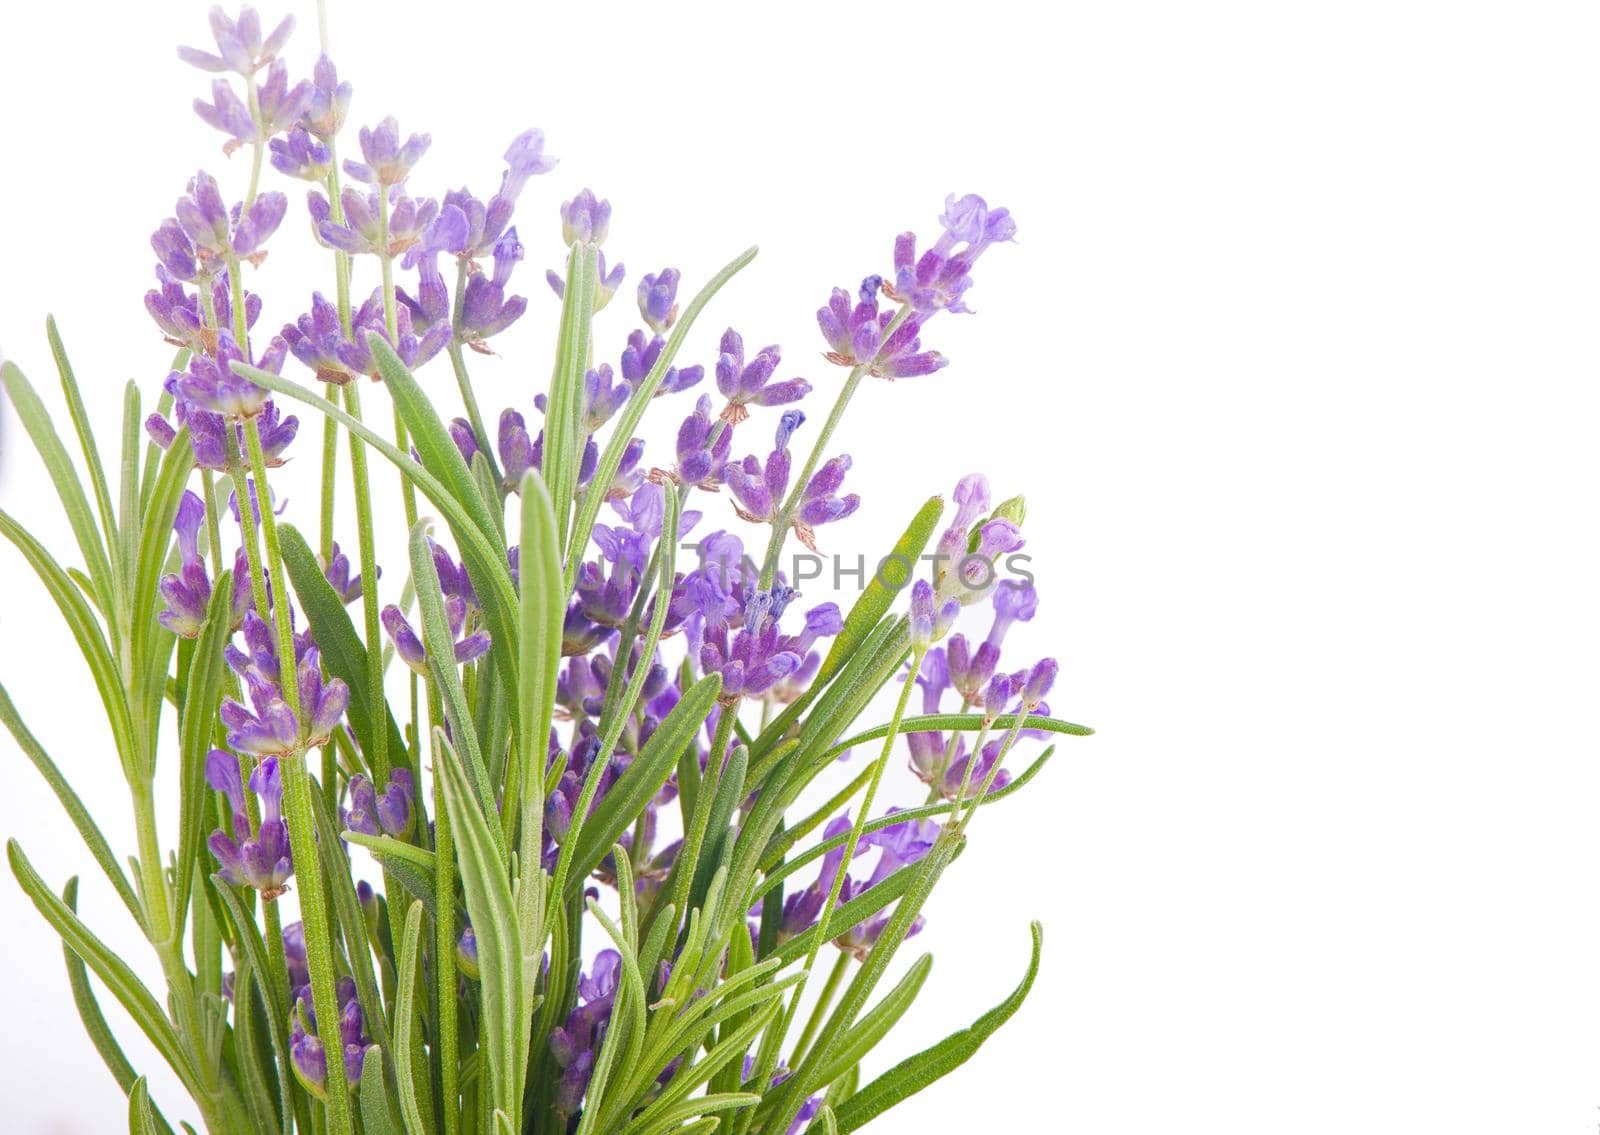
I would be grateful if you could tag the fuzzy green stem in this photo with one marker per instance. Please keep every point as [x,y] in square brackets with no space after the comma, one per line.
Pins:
[319,940]
[824,1002]
[287,676]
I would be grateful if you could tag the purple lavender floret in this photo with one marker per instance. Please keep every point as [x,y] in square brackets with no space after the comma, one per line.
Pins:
[279,107]
[268,727]
[467,953]
[177,311]
[188,591]
[938,279]
[299,154]
[639,358]
[575,1044]
[257,858]
[702,447]
[204,234]
[387,160]
[381,813]
[330,100]
[585,219]
[744,384]
[240,45]
[860,335]
[412,223]
[211,384]
[306,1052]
[346,586]
[759,488]
[408,644]
[485,308]
[756,655]
[658,299]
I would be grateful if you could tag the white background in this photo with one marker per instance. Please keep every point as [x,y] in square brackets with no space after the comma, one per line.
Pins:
[1294,359]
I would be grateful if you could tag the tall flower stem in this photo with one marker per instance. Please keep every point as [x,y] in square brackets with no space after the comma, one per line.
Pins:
[695,837]
[769,1063]
[379,759]
[444,937]
[780,523]
[300,818]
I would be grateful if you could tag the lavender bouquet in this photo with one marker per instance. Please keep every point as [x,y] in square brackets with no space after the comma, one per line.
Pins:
[566,823]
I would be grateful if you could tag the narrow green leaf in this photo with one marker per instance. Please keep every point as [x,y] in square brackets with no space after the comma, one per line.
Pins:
[563,443]
[352,925]
[873,1026]
[963,723]
[70,801]
[847,914]
[439,643]
[826,1123]
[131,498]
[730,792]
[140,1120]
[80,423]
[63,474]
[910,1076]
[484,878]
[376,1118]
[111,969]
[202,696]
[408,1060]
[91,642]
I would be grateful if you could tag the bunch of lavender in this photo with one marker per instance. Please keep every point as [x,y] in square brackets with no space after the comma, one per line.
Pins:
[536,791]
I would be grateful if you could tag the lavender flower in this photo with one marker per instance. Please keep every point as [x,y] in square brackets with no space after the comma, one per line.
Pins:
[268,726]
[337,573]
[658,300]
[388,160]
[205,235]
[211,384]
[485,310]
[330,100]
[746,383]
[702,447]
[639,359]
[306,1052]
[278,107]
[386,813]
[938,280]
[409,646]
[585,220]
[301,155]
[575,1044]
[861,335]
[258,858]
[240,46]
[188,591]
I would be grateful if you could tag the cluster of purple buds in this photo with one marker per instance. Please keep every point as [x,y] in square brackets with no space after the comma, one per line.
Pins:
[388,160]
[205,235]
[485,308]
[268,727]
[575,1044]
[278,108]
[750,383]
[862,335]
[211,385]
[347,587]
[459,603]
[606,586]
[941,762]
[241,48]
[381,813]
[306,1052]
[259,857]
[182,320]
[587,220]
[702,447]
[467,953]
[966,553]
[188,591]
[658,299]
[938,279]
[757,656]
[898,845]
[639,358]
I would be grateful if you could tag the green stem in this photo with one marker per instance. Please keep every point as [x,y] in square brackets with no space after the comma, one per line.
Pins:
[378,759]
[213,524]
[254,103]
[837,885]
[444,940]
[780,523]
[701,819]
[319,940]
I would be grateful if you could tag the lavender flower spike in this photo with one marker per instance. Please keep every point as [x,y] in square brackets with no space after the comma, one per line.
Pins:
[658,300]
[745,383]
[388,160]
[261,859]
[188,590]
[240,46]
[409,645]
[387,813]
[585,219]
